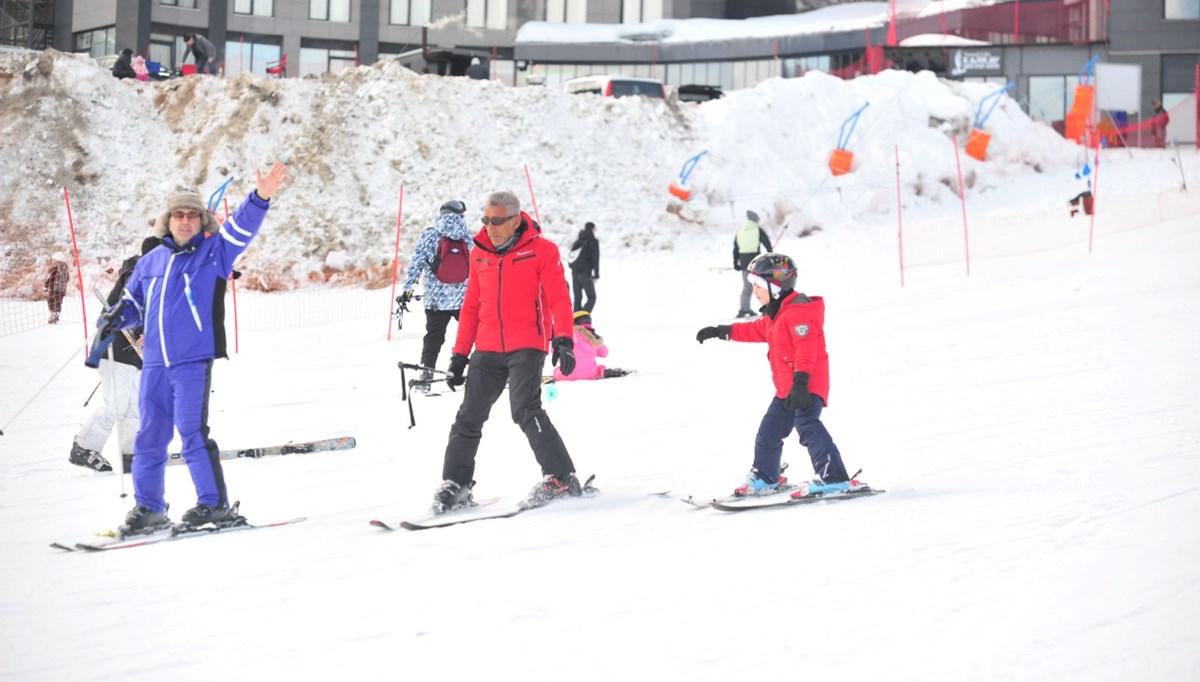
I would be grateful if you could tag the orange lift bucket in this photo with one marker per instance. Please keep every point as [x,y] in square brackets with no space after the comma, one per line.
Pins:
[841,161]
[680,191]
[977,144]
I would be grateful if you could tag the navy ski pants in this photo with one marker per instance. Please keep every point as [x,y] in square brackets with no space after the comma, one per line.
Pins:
[778,423]
[172,398]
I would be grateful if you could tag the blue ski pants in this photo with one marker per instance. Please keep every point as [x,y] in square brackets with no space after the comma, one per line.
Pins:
[778,423]
[173,398]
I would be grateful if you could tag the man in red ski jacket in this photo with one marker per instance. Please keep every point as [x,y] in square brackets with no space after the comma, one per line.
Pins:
[516,306]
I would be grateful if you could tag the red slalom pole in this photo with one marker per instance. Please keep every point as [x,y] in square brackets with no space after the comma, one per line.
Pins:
[899,217]
[395,260]
[78,270]
[536,214]
[963,196]
[1095,200]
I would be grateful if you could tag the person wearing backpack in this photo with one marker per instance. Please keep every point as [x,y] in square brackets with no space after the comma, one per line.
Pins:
[442,251]
[585,266]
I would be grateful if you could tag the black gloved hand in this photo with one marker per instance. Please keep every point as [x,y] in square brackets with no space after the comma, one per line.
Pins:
[237,274]
[458,365]
[719,332]
[405,297]
[564,354]
[799,398]
[109,321]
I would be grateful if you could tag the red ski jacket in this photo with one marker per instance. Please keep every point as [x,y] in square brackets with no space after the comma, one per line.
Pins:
[795,343]
[518,299]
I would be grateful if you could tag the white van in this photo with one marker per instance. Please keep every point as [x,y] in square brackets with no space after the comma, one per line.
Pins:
[616,86]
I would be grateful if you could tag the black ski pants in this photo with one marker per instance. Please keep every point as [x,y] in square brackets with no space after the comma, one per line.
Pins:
[487,375]
[436,322]
[583,284]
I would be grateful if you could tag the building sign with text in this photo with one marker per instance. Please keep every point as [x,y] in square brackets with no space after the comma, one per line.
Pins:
[976,62]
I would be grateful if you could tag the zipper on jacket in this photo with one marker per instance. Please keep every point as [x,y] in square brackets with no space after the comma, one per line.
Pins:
[499,298]
[187,291]
[162,296]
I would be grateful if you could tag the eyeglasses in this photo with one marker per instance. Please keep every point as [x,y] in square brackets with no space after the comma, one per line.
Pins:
[185,215]
[498,221]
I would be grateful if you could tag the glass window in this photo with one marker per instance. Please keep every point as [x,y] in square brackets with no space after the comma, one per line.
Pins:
[1048,98]
[315,60]
[410,12]
[487,14]
[639,11]
[566,11]
[185,4]
[97,42]
[261,8]
[242,56]
[1181,9]
[329,10]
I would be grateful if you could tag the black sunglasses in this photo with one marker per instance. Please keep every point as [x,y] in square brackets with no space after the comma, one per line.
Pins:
[498,221]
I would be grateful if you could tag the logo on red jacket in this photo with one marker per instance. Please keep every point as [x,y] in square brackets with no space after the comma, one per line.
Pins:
[802,330]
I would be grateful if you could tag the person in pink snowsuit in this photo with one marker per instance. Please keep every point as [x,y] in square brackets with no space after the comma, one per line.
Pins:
[588,346]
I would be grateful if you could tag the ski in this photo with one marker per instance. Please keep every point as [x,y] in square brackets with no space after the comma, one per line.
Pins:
[736,504]
[168,535]
[480,510]
[327,445]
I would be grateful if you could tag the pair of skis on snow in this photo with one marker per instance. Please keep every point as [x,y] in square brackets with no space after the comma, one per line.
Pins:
[112,540]
[786,496]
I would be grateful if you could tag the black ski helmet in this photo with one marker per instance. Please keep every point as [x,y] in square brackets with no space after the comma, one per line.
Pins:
[774,272]
[454,206]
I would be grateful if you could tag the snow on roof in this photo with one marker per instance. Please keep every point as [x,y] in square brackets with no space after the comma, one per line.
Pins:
[939,40]
[849,17]
[854,16]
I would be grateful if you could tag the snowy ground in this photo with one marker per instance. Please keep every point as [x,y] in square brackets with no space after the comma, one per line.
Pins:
[1034,423]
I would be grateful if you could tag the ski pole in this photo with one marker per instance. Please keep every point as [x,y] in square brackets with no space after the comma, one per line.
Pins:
[89,398]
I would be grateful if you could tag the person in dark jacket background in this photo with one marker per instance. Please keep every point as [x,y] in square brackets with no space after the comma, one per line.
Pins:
[123,67]
[477,71]
[176,294]
[56,284]
[204,52]
[120,382]
[585,267]
[746,245]
[516,302]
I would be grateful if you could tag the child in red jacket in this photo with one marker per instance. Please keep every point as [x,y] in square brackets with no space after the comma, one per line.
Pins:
[792,326]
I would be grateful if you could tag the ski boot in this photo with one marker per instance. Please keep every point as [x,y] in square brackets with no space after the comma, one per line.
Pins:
[451,496]
[209,516]
[142,520]
[556,487]
[756,485]
[91,459]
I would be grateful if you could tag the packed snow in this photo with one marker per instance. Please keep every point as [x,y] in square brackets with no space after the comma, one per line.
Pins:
[1033,420]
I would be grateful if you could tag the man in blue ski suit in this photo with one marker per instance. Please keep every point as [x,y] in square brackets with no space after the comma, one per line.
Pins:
[176,293]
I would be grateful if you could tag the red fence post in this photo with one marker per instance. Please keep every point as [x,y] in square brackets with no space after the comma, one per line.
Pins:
[536,214]
[395,260]
[78,270]
[962,194]
[899,217]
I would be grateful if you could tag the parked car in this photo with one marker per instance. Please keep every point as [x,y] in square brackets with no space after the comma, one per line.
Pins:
[699,93]
[616,86]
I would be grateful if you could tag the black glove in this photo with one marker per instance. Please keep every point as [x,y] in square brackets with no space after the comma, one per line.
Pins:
[237,274]
[799,398]
[458,365]
[719,332]
[108,323]
[404,298]
[564,354]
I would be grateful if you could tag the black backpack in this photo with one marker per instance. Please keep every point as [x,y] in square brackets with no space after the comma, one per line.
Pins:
[451,263]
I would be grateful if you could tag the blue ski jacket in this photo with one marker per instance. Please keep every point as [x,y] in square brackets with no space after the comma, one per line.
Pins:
[177,292]
[439,295]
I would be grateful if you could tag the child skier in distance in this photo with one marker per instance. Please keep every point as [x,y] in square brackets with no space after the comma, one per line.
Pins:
[792,326]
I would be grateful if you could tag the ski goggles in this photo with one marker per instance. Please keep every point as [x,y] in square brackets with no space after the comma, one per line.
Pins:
[757,280]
